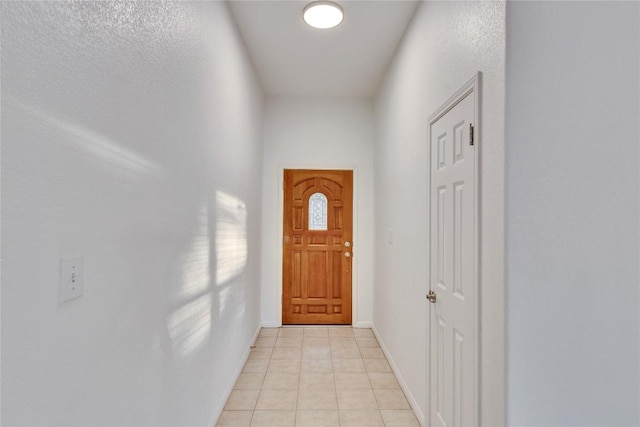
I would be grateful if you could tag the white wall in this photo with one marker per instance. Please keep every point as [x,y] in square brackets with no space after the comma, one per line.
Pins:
[572,213]
[131,135]
[322,133]
[446,44]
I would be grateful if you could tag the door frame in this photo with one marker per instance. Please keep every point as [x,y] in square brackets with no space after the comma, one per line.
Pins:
[355,262]
[473,86]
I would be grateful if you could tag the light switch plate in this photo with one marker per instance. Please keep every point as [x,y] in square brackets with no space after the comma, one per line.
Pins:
[71,278]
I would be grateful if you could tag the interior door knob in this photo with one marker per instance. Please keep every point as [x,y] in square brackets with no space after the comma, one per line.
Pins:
[347,254]
[431,296]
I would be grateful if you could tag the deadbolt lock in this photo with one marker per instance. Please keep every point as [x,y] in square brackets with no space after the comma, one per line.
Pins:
[431,296]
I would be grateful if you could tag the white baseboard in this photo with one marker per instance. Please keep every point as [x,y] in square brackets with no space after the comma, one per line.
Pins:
[271,325]
[367,325]
[253,343]
[234,378]
[403,384]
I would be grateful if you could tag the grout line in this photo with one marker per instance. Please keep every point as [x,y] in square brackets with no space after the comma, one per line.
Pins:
[295,414]
[371,385]
[335,384]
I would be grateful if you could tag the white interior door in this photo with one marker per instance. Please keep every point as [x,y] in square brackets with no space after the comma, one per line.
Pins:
[453,263]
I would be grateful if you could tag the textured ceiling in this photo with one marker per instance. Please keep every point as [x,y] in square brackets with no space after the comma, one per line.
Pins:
[347,61]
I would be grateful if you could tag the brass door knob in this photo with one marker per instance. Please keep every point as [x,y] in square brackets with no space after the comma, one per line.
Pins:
[431,296]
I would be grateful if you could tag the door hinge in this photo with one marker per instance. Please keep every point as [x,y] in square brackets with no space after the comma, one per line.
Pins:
[471,142]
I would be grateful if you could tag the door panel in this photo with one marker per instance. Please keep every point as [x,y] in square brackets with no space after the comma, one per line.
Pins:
[453,213]
[316,271]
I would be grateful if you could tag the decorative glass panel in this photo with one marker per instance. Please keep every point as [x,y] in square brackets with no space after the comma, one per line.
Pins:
[317,212]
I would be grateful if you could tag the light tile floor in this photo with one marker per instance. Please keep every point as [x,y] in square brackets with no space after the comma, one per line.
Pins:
[317,377]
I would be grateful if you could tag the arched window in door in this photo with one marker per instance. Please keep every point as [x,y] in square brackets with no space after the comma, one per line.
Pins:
[318,212]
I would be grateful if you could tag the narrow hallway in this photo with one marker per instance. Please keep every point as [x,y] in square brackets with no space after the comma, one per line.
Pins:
[317,377]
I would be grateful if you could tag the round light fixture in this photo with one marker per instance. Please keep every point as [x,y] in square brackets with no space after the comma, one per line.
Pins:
[323,14]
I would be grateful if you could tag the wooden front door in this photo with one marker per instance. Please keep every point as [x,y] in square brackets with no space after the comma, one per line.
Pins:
[317,247]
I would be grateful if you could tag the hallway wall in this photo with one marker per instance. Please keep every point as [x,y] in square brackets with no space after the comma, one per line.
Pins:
[444,47]
[573,206]
[131,135]
[322,133]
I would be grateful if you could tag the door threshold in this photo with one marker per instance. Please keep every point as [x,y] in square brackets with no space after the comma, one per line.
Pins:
[316,326]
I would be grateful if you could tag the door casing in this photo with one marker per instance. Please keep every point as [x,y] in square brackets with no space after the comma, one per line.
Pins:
[310,298]
[355,260]
[471,87]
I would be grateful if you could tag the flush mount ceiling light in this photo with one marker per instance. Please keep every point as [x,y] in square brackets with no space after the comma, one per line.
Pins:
[323,14]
